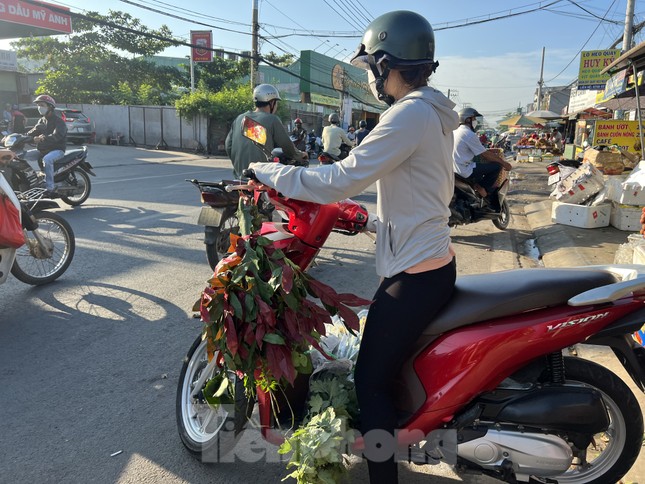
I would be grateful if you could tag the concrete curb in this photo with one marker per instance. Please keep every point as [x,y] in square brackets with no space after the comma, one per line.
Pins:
[556,243]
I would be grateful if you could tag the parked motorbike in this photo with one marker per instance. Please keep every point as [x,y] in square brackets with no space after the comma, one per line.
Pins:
[559,170]
[468,206]
[71,172]
[49,242]
[505,402]
[219,211]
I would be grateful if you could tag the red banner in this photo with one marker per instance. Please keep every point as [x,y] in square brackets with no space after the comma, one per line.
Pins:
[22,13]
[204,39]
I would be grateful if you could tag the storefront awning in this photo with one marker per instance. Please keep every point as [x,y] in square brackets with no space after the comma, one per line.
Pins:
[23,19]
[634,56]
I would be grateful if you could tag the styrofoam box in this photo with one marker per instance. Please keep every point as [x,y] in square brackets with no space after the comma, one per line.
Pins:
[582,184]
[629,194]
[625,217]
[522,158]
[581,215]
[533,158]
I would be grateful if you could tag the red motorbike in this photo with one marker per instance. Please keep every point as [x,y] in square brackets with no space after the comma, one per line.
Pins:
[487,388]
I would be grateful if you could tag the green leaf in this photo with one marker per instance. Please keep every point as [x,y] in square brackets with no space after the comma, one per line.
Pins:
[237,306]
[273,338]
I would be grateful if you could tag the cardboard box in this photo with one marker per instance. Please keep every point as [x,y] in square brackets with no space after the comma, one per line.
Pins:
[581,185]
[625,217]
[581,215]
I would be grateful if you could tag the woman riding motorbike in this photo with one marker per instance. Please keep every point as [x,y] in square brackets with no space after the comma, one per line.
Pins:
[409,155]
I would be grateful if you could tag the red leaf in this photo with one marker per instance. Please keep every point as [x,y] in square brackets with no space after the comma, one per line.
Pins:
[260,331]
[248,334]
[291,324]
[287,278]
[244,352]
[323,292]
[231,335]
[265,313]
[286,364]
[273,360]
[313,342]
[350,318]
[352,300]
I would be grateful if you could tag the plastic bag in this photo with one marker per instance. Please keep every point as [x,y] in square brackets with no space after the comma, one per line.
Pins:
[11,234]
[625,252]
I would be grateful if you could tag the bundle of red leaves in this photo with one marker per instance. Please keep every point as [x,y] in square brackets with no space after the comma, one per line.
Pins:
[258,316]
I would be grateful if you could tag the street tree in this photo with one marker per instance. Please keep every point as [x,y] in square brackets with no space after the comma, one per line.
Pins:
[102,63]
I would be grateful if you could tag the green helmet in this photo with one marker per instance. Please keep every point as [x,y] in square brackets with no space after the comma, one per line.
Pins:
[401,38]
[406,37]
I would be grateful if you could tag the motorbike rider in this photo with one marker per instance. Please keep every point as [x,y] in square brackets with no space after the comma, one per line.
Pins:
[18,120]
[467,147]
[362,131]
[50,136]
[351,135]
[241,150]
[299,135]
[409,155]
[333,136]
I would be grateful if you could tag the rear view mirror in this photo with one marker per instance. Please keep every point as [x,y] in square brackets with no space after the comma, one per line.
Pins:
[254,131]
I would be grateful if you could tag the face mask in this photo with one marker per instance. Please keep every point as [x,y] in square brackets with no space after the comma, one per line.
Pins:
[43,110]
[474,123]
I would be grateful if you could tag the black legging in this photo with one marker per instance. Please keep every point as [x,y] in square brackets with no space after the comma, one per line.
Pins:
[403,306]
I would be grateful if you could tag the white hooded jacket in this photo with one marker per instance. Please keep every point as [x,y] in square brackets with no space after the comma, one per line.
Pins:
[409,155]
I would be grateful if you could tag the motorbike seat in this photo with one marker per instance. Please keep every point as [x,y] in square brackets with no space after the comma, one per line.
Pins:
[69,156]
[480,297]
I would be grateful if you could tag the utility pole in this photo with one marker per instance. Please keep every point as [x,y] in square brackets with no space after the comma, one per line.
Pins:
[254,46]
[629,22]
[540,82]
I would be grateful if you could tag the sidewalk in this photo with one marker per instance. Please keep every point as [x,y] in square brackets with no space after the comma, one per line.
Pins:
[566,246]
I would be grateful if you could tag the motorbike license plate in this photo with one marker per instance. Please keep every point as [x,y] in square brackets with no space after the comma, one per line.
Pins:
[555,178]
[210,216]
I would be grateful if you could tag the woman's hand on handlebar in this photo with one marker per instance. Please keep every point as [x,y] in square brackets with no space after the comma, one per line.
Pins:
[253,180]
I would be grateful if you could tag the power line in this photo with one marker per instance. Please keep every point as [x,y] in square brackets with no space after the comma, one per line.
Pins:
[583,45]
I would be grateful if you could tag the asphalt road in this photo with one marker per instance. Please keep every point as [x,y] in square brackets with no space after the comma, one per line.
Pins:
[89,364]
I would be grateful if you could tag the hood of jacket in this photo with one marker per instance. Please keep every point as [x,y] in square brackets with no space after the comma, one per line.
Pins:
[442,105]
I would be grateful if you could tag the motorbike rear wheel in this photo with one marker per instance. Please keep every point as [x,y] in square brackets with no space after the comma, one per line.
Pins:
[35,264]
[208,433]
[613,452]
[81,180]
[504,218]
[215,251]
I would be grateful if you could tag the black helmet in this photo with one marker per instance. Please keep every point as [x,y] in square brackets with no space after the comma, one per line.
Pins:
[466,113]
[362,124]
[403,38]
[334,119]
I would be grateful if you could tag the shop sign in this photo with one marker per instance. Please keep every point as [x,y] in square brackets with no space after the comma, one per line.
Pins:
[321,99]
[17,12]
[203,39]
[591,63]
[624,134]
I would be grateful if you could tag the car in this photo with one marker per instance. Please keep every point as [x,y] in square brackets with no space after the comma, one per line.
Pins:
[79,127]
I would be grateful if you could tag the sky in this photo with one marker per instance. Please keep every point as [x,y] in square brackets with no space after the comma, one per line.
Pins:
[489,52]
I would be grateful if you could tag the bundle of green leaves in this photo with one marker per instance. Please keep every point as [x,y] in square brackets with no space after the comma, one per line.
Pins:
[257,313]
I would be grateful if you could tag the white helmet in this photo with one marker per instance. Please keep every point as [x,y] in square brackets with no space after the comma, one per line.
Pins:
[264,93]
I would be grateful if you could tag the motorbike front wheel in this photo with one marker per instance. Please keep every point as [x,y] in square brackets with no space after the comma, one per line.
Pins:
[504,218]
[221,235]
[39,262]
[208,433]
[613,452]
[81,182]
